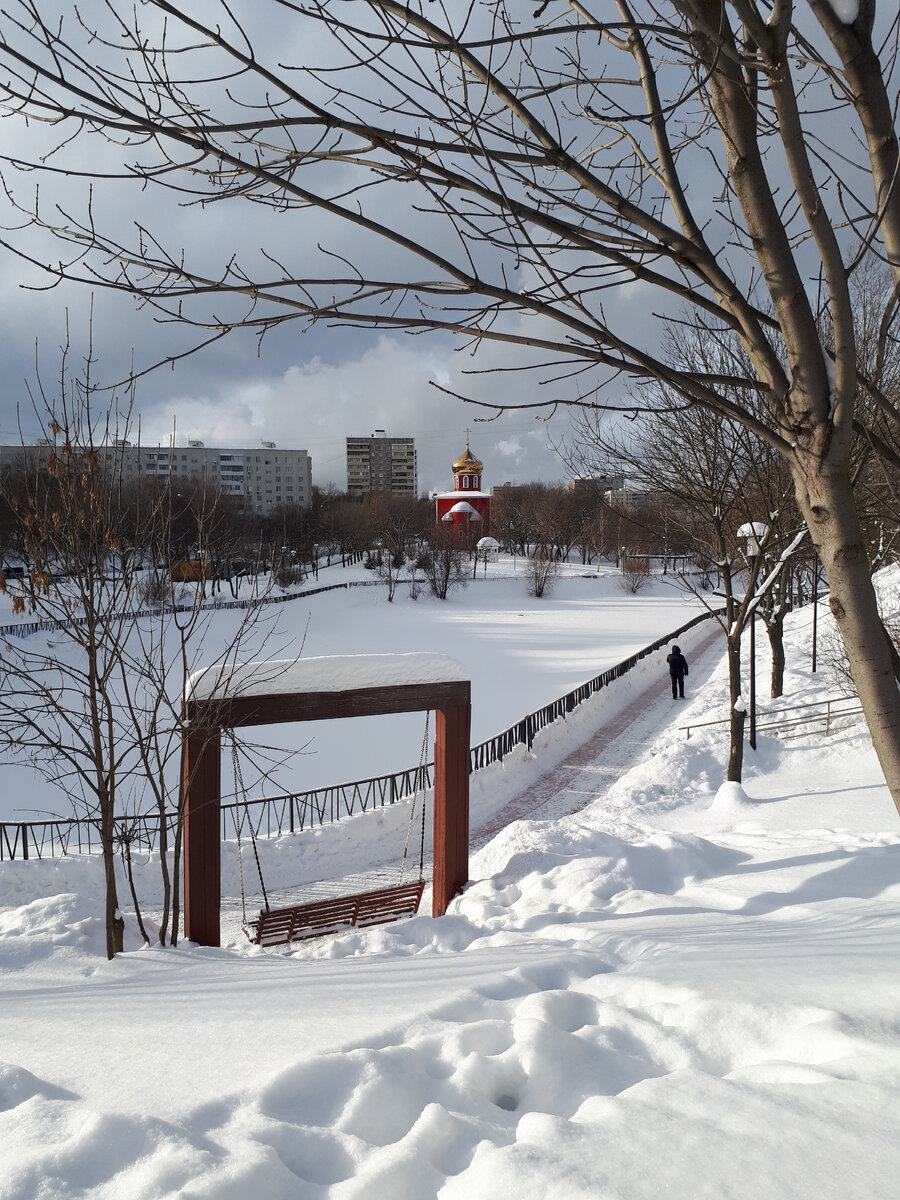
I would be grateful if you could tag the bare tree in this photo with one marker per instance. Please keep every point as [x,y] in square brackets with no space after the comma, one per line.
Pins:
[389,569]
[541,571]
[395,520]
[712,477]
[95,702]
[523,164]
[444,564]
[636,573]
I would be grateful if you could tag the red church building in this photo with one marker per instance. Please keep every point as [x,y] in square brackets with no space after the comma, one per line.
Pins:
[467,509]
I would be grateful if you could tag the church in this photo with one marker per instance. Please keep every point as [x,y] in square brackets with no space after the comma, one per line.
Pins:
[467,509]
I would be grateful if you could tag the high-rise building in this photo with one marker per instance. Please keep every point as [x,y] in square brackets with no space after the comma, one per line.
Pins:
[263,478]
[381,464]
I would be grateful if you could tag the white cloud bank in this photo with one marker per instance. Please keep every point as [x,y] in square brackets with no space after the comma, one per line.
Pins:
[316,405]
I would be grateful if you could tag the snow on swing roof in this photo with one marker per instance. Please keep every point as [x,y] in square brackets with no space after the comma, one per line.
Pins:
[331,673]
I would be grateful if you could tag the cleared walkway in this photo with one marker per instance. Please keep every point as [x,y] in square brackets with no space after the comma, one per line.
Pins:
[590,771]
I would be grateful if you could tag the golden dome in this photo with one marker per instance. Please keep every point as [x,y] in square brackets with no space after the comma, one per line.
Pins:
[467,464]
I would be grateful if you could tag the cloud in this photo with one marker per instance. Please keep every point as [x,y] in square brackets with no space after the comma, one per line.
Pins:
[510,448]
[317,404]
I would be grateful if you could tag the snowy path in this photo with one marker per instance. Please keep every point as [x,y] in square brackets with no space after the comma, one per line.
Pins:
[587,773]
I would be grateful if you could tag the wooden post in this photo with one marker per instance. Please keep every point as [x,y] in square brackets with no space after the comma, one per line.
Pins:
[451,804]
[202,780]
[201,783]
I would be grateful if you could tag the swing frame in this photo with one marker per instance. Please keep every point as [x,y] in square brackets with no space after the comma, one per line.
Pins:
[201,779]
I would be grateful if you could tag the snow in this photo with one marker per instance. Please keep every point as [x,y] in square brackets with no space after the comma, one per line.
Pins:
[519,652]
[472,492]
[763,588]
[846,11]
[658,984]
[753,529]
[329,673]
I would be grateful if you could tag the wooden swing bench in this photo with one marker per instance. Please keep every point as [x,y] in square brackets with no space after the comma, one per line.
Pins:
[319,918]
[372,685]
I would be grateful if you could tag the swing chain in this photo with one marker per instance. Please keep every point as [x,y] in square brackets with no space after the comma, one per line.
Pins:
[422,778]
[239,787]
[238,826]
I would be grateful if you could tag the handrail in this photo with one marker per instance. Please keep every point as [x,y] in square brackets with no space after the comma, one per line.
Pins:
[294,812]
[827,716]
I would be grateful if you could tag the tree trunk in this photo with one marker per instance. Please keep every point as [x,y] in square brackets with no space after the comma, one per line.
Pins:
[115,922]
[826,500]
[129,871]
[775,630]
[176,878]
[894,653]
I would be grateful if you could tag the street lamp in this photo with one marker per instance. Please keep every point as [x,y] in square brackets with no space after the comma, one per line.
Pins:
[815,611]
[753,533]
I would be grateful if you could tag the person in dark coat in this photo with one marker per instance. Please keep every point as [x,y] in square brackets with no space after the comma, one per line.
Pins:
[678,668]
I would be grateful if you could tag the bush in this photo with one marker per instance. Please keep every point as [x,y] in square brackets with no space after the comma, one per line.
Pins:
[635,573]
[542,572]
[157,590]
[446,570]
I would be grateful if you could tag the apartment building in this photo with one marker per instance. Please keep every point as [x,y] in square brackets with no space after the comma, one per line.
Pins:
[381,464]
[264,478]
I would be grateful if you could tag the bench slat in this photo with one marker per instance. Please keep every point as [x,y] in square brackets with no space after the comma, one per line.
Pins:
[322,917]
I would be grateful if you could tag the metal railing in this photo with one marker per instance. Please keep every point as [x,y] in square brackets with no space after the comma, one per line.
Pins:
[294,812]
[60,836]
[23,629]
[828,714]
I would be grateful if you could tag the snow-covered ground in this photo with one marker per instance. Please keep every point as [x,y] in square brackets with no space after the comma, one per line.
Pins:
[680,989]
[521,653]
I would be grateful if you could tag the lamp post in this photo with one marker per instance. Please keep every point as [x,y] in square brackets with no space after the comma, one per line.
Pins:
[815,612]
[752,738]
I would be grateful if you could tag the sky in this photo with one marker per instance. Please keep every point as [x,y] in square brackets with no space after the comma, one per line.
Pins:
[302,388]
[303,391]
[307,389]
